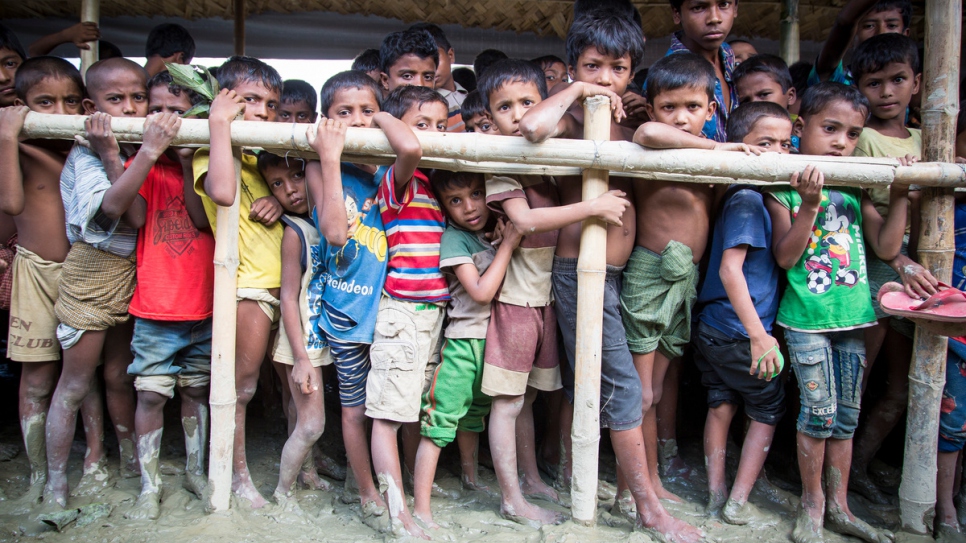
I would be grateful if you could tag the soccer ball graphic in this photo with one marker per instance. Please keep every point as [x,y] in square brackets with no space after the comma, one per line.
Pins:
[819,281]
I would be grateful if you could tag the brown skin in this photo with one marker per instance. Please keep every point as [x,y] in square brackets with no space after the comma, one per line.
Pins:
[9,62]
[556,73]
[444,72]
[889,92]
[743,51]
[481,123]
[705,25]
[296,112]
[155,64]
[409,69]
[762,87]
[80,34]
[856,20]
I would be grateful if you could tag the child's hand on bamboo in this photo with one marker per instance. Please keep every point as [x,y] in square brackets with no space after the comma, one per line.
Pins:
[266,210]
[11,122]
[739,147]
[160,129]
[100,136]
[327,138]
[226,107]
[616,104]
[809,185]
[610,206]
[917,280]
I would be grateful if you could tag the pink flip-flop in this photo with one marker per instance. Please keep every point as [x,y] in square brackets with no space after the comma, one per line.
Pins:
[942,313]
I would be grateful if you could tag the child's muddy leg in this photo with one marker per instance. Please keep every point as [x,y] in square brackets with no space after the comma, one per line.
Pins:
[121,401]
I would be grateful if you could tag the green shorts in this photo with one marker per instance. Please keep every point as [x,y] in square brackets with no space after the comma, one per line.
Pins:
[659,291]
[454,400]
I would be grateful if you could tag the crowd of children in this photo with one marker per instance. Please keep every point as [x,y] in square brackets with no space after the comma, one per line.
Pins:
[444,300]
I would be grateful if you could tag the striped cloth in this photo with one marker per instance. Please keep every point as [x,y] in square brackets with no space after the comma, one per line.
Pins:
[414,227]
[7,251]
[95,288]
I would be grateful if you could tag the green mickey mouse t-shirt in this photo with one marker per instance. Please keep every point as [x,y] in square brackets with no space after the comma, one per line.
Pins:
[828,288]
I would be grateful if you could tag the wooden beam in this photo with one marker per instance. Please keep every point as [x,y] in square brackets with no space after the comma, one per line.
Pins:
[90,13]
[927,374]
[789,42]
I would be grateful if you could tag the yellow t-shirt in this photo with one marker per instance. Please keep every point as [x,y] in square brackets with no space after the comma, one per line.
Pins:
[259,246]
[873,144]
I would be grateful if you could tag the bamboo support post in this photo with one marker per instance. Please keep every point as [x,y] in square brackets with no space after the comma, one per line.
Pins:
[222,397]
[789,43]
[917,493]
[239,27]
[90,13]
[591,273]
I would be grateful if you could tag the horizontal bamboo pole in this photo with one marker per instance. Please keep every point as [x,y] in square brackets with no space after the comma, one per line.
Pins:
[470,151]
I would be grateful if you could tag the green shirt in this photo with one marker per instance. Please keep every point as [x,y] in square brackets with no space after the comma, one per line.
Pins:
[828,288]
[467,318]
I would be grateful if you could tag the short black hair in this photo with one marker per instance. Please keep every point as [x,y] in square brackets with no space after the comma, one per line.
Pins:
[762,63]
[465,77]
[547,61]
[106,50]
[350,79]
[403,98]
[8,40]
[904,7]
[740,40]
[876,52]
[511,70]
[676,4]
[624,8]
[472,106]
[441,180]
[799,72]
[608,32]
[167,39]
[296,90]
[742,120]
[239,69]
[407,42]
[680,70]
[166,80]
[366,61]
[485,59]
[267,160]
[819,96]
[36,69]
[436,32]
[100,75]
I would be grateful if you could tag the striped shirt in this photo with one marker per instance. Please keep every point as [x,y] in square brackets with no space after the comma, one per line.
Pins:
[414,227]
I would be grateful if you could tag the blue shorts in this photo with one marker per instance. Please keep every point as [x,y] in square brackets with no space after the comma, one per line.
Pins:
[952,414]
[351,368]
[170,352]
[828,367]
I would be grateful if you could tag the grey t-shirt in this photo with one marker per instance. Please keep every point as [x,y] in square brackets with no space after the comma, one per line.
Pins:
[467,318]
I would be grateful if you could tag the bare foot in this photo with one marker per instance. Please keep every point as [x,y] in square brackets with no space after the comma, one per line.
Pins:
[245,489]
[375,516]
[477,486]
[625,506]
[740,514]
[310,479]
[946,533]
[350,491]
[148,507]
[780,497]
[861,484]
[426,520]
[196,483]
[440,492]
[716,500]
[95,480]
[807,529]
[530,515]
[665,494]
[539,491]
[329,467]
[404,525]
[841,521]
[666,528]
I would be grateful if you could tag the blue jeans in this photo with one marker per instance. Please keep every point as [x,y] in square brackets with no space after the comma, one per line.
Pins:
[952,415]
[829,368]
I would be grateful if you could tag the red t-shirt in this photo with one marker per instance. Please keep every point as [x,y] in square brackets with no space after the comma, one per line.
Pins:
[174,259]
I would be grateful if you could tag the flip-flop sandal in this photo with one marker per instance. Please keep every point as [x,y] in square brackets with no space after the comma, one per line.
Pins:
[943,313]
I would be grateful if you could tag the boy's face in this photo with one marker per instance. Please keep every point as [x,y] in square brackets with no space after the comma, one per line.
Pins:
[161,100]
[430,116]
[889,90]
[444,72]
[9,62]
[54,95]
[761,87]
[481,123]
[466,206]
[833,131]
[409,69]
[961,144]
[125,95]
[686,108]
[510,102]
[706,22]
[261,102]
[882,22]
[610,72]
[296,112]
[743,51]
[287,184]
[354,106]
[772,134]
[556,73]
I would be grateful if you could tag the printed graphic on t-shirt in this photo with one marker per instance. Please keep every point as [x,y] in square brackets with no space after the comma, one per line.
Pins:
[360,235]
[829,253]
[173,227]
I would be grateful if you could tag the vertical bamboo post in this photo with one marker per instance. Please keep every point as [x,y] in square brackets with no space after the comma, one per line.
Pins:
[917,493]
[239,6]
[789,42]
[222,397]
[591,273]
[90,13]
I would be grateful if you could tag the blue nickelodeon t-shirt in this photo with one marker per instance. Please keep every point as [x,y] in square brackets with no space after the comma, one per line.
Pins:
[743,221]
[353,275]
[959,259]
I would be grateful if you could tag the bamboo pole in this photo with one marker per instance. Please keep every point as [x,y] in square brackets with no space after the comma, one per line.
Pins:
[789,42]
[239,27]
[591,274]
[90,13]
[927,374]
[222,397]
[479,152]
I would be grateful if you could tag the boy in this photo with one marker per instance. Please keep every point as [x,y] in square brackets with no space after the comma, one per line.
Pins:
[475,116]
[251,87]
[454,405]
[172,305]
[98,276]
[453,92]
[733,341]
[368,61]
[12,55]
[484,60]
[521,348]
[300,349]
[167,42]
[818,239]
[30,173]
[705,25]
[743,50]
[554,68]
[353,253]
[298,103]
[885,71]
[408,57]
[766,78]
[409,322]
